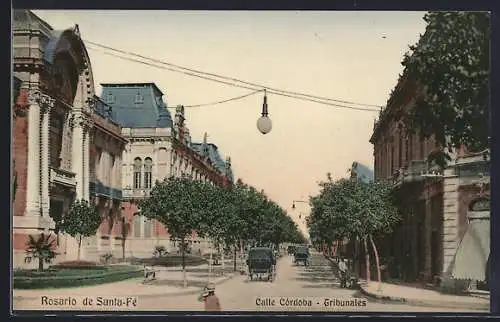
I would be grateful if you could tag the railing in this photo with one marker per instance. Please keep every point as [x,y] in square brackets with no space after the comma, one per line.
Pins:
[63,177]
[416,170]
[99,189]
[136,193]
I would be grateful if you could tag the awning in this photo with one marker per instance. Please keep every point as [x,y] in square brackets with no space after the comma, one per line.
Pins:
[473,252]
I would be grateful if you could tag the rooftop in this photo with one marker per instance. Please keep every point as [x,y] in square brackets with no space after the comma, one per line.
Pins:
[137,105]
[361,172]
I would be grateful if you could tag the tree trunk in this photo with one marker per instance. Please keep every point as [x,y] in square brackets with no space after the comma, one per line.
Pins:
[379,275]
[40,264]
[183,252]
[223,266]
[123,249]
[367,259]
[79,245]
[234,258]
[210,261]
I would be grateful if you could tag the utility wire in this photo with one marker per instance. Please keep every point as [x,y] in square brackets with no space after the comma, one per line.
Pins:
[228,78]
[280,93]
[225,101]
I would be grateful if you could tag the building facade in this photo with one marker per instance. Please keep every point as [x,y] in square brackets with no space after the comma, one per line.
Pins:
[433,201]
[158,147]
[51,130]
[105,186]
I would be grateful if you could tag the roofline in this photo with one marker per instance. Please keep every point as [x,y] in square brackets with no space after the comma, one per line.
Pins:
[132,84]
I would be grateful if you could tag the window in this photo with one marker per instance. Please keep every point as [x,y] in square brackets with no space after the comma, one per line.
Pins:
[147,228]
[137,226]
[139,99]
[148,168]
[110,98]
[137,173]
[112,171]
[422,148]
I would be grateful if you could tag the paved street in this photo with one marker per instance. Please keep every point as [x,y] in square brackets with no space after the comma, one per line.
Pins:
[315,282]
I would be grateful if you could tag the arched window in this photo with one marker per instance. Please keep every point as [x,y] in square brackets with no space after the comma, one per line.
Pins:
[148,168]
[137,173]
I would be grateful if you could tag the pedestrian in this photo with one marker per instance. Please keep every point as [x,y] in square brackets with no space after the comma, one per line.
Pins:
[209,298]
[343,272]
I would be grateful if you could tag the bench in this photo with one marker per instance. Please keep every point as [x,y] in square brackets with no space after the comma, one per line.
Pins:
[149,273]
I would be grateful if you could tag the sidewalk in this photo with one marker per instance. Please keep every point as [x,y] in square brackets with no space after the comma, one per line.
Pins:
[422,297]
[169,282]
[419,296]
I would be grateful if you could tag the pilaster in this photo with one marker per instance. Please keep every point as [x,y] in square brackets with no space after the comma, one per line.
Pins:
[47,104]
[77,159]
[33,180]
[450,220]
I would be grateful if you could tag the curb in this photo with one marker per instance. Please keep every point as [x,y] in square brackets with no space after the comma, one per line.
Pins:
[423,303]
[190,292]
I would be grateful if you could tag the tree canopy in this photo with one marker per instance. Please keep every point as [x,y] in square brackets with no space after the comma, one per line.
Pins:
[348,208]
[225,215]
[452,62]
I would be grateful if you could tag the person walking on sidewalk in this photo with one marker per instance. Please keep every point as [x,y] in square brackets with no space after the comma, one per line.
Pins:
[209,298]
[343,272]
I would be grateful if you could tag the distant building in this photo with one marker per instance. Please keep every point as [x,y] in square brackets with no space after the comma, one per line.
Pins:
[158,147]
[361,172]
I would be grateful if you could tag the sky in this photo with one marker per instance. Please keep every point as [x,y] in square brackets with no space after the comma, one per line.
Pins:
[350,56]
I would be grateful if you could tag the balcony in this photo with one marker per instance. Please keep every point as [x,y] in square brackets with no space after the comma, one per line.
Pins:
[62,177]
[99,189]
[416,171]
[130,193]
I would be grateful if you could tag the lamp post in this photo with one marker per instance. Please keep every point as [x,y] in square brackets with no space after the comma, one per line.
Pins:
[264,123]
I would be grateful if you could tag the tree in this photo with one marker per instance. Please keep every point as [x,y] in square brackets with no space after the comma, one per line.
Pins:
[41,248]
[82,221]
[452,62]
[180,204]
[348,208]
[125,231]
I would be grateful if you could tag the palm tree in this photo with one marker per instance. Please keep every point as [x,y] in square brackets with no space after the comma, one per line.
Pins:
[41,248]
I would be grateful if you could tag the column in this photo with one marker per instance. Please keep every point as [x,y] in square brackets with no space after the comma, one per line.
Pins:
[428,238]
[450,222]
[86,165]
[33,182]
[47,104]
[77,154]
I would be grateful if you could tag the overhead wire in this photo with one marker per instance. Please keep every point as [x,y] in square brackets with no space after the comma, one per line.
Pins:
[249,87]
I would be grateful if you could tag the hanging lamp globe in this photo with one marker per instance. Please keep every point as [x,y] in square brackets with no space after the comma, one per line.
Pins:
[264,124]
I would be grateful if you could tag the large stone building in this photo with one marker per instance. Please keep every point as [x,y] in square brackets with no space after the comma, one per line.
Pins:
[66,145]
[51,134]
[105,186]
[433,201]
[158,147]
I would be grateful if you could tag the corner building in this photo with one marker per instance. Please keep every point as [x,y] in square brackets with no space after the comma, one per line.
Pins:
[158,147]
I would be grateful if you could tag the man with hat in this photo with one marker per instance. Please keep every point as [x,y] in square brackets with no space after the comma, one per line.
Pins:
[209,298]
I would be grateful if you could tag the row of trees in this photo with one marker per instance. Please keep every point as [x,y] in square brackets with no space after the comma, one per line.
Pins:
[227,216]
[354,210]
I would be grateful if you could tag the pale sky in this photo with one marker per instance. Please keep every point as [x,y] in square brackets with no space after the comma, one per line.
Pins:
[353,56]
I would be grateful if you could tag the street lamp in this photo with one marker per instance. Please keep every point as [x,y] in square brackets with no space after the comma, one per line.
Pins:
[264,123]
[294,201]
